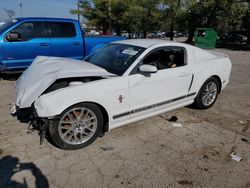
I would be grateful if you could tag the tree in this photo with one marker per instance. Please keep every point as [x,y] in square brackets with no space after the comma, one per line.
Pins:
[10,13]
[96,11]
[130,15]
[131,18]
[246,21]
[172,9]
[84,8]
[224,16]
[118,12]
[149,16]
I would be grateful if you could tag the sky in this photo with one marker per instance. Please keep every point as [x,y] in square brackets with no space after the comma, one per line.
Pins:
[38,8]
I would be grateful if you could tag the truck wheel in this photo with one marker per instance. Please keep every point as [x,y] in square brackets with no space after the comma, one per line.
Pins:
[77,127]
[207,94]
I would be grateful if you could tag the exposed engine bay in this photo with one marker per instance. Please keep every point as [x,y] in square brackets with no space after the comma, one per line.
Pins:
[66,82]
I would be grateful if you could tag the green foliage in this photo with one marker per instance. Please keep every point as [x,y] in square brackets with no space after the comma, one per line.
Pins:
[10,13]
[151,15]
[130,15]
[223,15]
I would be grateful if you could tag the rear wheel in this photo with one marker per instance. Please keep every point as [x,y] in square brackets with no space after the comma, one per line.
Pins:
[77,127]
[207,94]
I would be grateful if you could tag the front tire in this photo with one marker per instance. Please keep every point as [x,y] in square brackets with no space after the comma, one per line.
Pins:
[208,94]
[77,127]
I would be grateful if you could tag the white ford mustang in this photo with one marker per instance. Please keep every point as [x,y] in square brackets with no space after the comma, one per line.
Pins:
[123,82]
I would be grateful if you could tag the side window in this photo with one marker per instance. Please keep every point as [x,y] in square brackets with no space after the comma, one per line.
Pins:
[166,58]
[30,30]
[62,29]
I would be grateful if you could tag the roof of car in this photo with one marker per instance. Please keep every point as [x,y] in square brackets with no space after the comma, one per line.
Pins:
[44,18]
[145,43]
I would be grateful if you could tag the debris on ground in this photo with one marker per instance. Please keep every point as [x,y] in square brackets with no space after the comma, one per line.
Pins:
[173,119]
[106,147]
[244,140]
[30,129]
[235,157]
[241,122]
[163,117]
[176,124]
[128,182]
[185,182]
[246,127]
[205,157]
[1,151]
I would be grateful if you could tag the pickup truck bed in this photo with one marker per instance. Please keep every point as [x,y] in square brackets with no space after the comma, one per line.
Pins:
[94,42]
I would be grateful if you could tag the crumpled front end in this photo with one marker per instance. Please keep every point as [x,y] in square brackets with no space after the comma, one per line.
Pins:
[44,71]
[46,75]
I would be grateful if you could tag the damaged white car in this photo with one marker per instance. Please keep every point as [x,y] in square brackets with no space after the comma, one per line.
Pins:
[123,82]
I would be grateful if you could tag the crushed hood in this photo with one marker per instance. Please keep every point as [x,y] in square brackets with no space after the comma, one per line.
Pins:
[46,70]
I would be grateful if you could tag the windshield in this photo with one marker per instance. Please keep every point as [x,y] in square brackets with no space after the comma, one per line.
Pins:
[6,25]
[115,58]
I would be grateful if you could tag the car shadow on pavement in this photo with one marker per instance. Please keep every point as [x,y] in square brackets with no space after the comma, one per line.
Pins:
[9,166]
[10,77]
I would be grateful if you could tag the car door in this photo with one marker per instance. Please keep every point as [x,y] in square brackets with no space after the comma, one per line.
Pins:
[33,41]
[167,87]
[65,40]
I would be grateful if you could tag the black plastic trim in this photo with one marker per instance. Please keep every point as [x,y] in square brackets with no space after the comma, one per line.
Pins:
[152,106]
[191,83]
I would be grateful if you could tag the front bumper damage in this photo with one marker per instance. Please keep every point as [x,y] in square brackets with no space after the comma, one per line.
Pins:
[29,115]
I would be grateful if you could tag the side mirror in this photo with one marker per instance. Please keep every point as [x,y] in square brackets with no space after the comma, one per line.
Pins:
[11,37]
[147,69]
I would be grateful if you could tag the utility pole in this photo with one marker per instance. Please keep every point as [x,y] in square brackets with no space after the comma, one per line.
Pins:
[78,11]
[110,32]
[21,9]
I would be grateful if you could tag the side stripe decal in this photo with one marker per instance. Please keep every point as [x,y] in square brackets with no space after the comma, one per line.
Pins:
[151,106]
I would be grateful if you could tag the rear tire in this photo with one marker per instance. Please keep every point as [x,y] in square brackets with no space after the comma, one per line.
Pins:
[208,94]
[77,127]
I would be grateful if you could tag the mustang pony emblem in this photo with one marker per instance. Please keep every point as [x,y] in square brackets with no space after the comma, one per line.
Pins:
[120,98]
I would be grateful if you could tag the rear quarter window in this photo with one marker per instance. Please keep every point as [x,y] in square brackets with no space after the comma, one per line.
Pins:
[62,29]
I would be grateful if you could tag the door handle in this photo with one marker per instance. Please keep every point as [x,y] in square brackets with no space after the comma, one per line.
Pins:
[184,74]
[76,43]
[44,44]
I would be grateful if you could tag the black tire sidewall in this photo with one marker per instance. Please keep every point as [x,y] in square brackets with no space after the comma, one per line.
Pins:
[198,101]
[54,133]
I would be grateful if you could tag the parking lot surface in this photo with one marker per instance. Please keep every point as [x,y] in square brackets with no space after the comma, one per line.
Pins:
[149,153]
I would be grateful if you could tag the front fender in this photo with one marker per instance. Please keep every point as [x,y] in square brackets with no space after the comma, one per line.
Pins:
[103,92]
[54,103]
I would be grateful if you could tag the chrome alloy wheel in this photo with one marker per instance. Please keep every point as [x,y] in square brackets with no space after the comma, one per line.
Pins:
[77,125]
[209,93]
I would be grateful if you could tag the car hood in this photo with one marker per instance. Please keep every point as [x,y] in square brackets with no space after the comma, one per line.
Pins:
[46,70]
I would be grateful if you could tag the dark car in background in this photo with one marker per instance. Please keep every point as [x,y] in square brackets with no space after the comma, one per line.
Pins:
[237,38]
[231,38]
